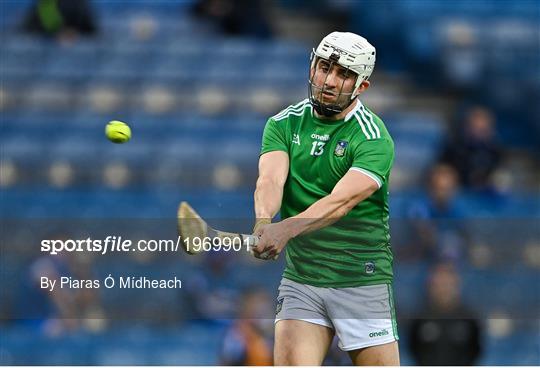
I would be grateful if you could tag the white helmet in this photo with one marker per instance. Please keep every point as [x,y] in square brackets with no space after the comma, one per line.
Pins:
[349,50]
[353,52]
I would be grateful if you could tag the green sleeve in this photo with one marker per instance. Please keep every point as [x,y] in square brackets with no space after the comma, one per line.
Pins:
[274,137]
[374,157]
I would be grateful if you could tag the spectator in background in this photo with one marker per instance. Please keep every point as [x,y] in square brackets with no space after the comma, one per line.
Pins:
[63,309]
[445,332]
[435,221]
[64,19]
[247,340]
[208,292]
[474,152]
[235,17]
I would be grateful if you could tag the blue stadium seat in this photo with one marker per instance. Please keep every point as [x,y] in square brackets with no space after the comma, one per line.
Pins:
[21,148]
[178,69]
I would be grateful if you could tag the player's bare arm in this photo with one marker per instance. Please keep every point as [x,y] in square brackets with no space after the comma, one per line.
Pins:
[353,188]
[273,171]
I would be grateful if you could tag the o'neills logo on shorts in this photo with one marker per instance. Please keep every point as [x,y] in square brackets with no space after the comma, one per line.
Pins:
[380,333]
[279,305]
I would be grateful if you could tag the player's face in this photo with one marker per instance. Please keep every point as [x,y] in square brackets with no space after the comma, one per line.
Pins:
[333,84]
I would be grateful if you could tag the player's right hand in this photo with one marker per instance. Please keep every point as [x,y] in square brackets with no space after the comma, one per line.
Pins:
[258,229]
[272,239]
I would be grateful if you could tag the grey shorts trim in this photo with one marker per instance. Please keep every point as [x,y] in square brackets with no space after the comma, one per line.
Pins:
[360,316]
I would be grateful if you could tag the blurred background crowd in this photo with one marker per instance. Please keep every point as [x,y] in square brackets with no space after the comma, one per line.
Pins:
[456,82]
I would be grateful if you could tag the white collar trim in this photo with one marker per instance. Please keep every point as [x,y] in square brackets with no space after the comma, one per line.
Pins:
[354,110]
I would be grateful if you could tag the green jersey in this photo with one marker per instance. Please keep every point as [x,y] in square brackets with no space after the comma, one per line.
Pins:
[355,250]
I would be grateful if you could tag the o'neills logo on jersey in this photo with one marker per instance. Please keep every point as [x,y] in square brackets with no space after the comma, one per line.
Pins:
[323,138]
[380,333]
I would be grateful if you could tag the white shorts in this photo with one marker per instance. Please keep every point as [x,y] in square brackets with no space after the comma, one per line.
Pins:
[360,316]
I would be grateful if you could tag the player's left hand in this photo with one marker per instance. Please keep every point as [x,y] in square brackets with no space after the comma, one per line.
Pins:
[272,240]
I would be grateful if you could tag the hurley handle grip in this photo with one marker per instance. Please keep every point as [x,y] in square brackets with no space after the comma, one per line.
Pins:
[250,241]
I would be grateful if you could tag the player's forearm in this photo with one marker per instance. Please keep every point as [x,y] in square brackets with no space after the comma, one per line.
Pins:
[268,196]
[324,212]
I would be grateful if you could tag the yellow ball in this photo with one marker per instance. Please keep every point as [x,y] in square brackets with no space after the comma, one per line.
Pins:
[118,132]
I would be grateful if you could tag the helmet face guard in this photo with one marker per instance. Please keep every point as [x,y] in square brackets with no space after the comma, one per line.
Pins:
[317,92]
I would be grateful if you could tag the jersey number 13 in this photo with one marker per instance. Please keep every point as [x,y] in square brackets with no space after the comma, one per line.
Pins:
[317,148]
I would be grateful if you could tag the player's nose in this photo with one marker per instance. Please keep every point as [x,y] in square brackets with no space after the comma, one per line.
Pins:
[331,79]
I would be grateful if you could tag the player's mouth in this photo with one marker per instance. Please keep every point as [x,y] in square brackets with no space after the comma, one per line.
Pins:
[328,94]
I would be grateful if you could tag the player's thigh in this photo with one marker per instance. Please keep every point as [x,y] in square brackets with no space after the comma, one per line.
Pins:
[385,354]
[301,343]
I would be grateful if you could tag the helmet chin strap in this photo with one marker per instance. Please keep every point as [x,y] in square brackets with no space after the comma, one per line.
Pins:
[327,110]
